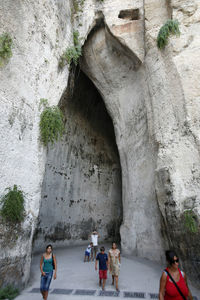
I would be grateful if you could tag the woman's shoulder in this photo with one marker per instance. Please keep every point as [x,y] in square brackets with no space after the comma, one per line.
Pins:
[165,272]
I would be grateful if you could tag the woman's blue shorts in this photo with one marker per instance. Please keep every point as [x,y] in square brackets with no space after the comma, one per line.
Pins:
[45,281]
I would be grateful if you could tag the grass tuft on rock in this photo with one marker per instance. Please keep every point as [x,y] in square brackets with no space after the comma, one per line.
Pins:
[190,221]
[13,205]
[51,124]
[8,292]
[5,48]
[170,27]
[72,54]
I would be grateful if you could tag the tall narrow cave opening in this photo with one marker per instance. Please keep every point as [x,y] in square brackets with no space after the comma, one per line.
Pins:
[82,187]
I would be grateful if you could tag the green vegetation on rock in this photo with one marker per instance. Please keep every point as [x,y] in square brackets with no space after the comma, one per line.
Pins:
[43,102]
[13,205]
[8,292]
[72,54]
[190,221]
[51,124]
[170,27]
[5,48]
[77,6]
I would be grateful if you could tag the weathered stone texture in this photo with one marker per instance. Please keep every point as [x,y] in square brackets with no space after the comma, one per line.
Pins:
[152,97]
[120,80]
[40,31]
[82,183]
[173,76]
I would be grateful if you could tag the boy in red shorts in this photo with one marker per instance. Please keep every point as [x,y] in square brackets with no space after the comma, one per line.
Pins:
[102,257]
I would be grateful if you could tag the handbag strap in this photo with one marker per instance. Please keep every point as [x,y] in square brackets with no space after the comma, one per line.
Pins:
[175,284]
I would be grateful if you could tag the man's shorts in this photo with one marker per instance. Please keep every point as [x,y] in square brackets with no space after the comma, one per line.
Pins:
[87,254]
[95,248]
[102,274]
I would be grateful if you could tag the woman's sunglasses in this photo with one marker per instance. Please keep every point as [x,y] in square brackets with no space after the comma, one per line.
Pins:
[175,261]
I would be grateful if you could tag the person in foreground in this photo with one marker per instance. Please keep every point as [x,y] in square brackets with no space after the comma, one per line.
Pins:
[102,257]
[47,265]
[114,261]
[173,282]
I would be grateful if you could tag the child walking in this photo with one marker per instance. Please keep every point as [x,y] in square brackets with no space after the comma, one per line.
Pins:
[87,252]
[102,257]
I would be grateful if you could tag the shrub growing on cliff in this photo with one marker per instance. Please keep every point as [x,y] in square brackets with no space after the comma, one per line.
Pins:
[8,292]
[5,48]
[190,221]
[73,53]
[13,205]
[170,27]
[77,5]
[51,124]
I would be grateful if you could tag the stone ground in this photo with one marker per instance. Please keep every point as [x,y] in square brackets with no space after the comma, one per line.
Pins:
[76,280]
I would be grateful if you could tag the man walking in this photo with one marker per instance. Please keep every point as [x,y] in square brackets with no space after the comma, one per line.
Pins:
[94,240]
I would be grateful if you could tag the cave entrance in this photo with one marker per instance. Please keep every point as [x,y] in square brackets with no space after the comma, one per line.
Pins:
[82,187]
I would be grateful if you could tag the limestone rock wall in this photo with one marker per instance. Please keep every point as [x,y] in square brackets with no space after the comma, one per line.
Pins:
[40,31]
[152,97]
[172,77]
[120,79]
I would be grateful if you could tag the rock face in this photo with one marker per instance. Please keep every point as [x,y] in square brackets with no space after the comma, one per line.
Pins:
[38,31]
[152,98]
[82,183]
[122,86]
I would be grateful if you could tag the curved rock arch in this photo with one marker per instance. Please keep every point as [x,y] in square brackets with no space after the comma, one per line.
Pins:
[118,74]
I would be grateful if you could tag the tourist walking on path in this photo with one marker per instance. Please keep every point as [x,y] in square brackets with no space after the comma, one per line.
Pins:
[94,240]
[47,265]
[173,282]
[102,257]
[114,261]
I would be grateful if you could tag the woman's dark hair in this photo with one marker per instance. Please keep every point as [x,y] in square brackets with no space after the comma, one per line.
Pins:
[170,256]
[49,246]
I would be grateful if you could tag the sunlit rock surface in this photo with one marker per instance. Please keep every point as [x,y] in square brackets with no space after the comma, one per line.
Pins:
[152,98]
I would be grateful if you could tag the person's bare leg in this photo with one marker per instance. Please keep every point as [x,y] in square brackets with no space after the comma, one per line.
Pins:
[103,286]
[95,254]
[45,295]
[42,292]
[85,258]
[116,282]
[92,254]
[99,282]
[113,279]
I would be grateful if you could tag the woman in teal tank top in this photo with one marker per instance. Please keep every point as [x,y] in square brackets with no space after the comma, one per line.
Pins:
[47,265]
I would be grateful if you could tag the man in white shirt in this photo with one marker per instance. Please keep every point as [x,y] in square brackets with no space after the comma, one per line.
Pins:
[94,240]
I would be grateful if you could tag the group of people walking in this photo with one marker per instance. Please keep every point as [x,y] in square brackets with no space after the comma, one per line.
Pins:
[173,282]
[109,262]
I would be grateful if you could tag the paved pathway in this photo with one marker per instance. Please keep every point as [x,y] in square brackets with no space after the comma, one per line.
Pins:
[76,280]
